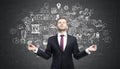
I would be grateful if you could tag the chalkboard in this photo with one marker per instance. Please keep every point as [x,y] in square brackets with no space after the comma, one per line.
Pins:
[28,21]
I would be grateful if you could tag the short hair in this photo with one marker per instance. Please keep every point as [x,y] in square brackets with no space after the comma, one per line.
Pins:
[62,17]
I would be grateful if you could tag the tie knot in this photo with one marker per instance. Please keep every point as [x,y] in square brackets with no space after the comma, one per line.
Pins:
[61,35]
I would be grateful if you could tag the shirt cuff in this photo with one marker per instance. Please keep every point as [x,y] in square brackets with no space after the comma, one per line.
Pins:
[36,50]
[87,51]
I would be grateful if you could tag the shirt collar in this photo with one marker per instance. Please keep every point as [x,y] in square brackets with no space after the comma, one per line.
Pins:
[65,34]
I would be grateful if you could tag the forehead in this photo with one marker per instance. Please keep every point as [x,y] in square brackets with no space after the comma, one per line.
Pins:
[62,20]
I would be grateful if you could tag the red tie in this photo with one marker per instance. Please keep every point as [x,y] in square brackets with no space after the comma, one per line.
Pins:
[61,42]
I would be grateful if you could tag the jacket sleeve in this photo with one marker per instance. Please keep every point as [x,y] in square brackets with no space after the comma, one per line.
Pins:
[47,53]
[76,53]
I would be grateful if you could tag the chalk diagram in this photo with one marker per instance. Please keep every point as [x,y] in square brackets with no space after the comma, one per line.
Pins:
[39,25]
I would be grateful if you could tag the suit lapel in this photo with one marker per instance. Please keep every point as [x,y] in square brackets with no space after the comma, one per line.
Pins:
[56,41]
[68,42]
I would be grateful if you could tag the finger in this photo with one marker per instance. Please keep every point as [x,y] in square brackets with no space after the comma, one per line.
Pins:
[94,45]
[30,46]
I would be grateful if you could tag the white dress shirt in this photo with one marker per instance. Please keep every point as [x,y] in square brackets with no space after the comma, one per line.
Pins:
[65,39]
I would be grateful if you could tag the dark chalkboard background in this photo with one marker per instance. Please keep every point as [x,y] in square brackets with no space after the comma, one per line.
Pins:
[18,57]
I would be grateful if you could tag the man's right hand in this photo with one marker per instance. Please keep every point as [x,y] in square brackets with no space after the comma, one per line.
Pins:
[31,47]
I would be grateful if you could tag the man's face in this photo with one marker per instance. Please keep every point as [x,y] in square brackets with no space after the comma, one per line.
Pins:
[62,25]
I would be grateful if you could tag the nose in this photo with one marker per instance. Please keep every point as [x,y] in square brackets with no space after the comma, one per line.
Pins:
[62,23]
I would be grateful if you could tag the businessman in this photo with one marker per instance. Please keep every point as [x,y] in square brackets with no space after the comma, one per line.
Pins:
[62,48]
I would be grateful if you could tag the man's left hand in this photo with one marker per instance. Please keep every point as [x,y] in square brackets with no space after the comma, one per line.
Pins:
[92,48]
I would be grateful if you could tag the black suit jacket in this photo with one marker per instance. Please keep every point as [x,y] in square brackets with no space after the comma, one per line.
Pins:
[60,59]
